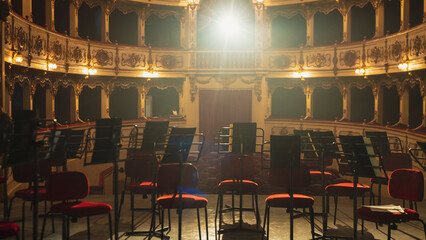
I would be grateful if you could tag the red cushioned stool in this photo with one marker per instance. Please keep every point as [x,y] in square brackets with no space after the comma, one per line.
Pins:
[69,187]
[175,178]
[405,184]
[9,230]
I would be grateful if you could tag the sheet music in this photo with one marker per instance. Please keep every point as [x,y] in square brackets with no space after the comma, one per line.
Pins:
[386,208]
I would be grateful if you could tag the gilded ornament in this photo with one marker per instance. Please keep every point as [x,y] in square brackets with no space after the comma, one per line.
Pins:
[57,50]
[318,60]
[7,31]
[396,51]
[38,46]
[350,58]
[77,55]
[375,54]
[418,46]
[168,61]
[102,57]
[21,39]
[132,60]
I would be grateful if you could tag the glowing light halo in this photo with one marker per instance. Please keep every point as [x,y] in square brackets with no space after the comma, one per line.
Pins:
[229,26]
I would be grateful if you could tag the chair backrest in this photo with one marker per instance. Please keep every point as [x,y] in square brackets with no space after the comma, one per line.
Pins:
[141,165]
[24,173]
[231,169]
[168,177]
[64,186]
[406,184]
[396,161]
[280,177]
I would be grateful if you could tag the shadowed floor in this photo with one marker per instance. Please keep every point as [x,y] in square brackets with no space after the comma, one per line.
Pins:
[279,222]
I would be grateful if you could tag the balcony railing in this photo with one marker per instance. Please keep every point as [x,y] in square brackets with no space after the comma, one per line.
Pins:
[38,47]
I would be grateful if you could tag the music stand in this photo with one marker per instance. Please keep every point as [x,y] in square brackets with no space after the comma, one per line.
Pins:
[363,162]
[285,153]
[23,149]
[242,136]
[67,144]
[154,131]
[380,141]
[106,150]
[179,145]
[414,154]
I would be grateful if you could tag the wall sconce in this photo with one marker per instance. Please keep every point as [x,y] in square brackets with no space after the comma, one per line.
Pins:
[90,70]
[258,3]
[50,63]
[193,4]
[16,58]
[301,74]
[150,72]
[361,71]
[405,66]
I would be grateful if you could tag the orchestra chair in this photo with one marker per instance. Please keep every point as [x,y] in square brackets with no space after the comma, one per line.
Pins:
[279,177]
[67,188]
[344,189]
[390,163]
[235,183]
[24,173]
[8,230]
[173,179]
[399,189]
[140,168]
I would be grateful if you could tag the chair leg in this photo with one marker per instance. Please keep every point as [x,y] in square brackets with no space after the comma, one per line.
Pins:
[23,220]
[199,223]
[389,231]
[132,209]
[42,227]
[372,200]
[207,224]
[233,207]
[221,209]
[267,229]
[121,203]
[88,228]
[379,198]
[53,219]
[110,225]
[311,214]
[335,208]
[162,223]
[257,212]
[215,216]
[10,208]
[264,219]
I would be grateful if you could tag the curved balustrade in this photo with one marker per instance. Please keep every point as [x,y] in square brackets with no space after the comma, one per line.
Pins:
[38,47]
[286,126]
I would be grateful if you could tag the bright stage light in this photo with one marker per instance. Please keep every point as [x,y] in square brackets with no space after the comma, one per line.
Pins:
[229,26]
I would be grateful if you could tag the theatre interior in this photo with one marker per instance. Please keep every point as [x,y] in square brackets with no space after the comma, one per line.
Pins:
[212,119]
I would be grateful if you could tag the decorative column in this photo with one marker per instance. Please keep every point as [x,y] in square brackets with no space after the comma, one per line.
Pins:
[188,25]
[404,105]
[309,27]
[259,29]
[405,15]
[141,102]
[50,102]
[50,14]
[424,11]
[141,27]
[105,92]
[27,9]
[379,8]
[73,18]
[74,103]
[378,104]
[105,11]
[346,95]
[347,24]
[28,93]
[309,102]
[4,93]
[423,92]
